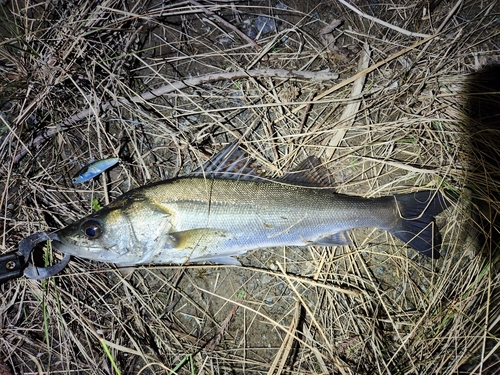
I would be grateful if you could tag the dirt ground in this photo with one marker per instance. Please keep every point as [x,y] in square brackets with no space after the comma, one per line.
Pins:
[99,79]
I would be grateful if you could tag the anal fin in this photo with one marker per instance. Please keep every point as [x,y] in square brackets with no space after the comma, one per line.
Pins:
[227,260]
[335,239]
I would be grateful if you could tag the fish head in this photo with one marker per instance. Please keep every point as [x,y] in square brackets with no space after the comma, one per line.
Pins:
[127,232]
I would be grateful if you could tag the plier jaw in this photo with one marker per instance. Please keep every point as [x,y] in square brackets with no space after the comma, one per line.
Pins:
[17,263]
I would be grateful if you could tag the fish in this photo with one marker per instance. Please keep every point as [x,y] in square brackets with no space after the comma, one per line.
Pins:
[94,169]
[226,208]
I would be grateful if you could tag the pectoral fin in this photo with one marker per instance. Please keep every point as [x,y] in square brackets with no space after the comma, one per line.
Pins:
[202,244]
[335,239]
[198,239]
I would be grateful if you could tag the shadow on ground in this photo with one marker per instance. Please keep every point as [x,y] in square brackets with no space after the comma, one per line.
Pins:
[483,138]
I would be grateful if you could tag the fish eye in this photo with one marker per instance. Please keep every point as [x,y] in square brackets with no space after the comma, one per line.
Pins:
[92,229]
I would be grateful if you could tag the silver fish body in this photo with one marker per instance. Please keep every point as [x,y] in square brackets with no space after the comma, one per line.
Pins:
[194,219]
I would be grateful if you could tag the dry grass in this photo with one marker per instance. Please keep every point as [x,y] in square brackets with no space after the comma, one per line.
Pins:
[73,84]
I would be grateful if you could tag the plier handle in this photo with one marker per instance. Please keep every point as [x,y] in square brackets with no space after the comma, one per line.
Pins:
[17,263]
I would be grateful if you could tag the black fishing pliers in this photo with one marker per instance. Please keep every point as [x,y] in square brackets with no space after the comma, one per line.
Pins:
[17,263]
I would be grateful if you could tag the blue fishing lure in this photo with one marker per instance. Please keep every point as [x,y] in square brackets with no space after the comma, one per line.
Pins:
[94,169]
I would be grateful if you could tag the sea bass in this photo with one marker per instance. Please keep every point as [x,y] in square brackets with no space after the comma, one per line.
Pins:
[225,209]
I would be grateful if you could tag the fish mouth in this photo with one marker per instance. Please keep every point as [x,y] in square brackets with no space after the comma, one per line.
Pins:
[62,247]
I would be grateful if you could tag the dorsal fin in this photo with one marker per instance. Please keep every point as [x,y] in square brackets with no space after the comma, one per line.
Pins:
[309,172]
[234,163]
[231,162]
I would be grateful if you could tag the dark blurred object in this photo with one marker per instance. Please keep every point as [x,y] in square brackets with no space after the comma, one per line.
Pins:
[483,155]
[4,369]
[483,129]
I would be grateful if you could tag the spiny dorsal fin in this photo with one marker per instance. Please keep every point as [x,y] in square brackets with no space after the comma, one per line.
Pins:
[231,162]
[234,163]
[309,172]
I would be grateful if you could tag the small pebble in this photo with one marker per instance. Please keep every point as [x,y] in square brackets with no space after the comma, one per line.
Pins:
[393,85]
[266,279]
[264,25]
[225,41]
[380,270]
[283,288]
[252,32]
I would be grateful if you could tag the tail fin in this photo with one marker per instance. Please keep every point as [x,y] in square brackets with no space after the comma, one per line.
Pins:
[416,225]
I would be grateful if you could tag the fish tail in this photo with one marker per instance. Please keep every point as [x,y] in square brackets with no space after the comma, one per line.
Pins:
[416,225]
